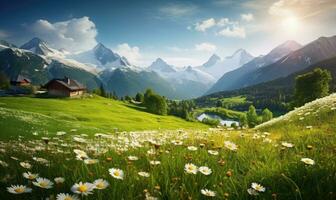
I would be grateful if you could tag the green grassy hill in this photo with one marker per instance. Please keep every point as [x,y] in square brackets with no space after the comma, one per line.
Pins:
[22,115]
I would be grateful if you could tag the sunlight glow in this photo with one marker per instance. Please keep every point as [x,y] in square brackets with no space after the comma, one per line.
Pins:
[291,24]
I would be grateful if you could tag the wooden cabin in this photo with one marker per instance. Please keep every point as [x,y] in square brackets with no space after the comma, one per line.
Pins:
[65,88]
[20,81]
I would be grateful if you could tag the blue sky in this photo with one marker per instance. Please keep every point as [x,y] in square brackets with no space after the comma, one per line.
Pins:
[181,32]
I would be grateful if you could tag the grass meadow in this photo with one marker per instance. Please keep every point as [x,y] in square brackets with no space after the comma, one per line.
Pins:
[292,157]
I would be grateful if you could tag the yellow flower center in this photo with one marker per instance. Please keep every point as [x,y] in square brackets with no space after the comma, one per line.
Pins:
[116,173]
[100,185]
[19,190]
[82,188]
[43,184]
[68,198]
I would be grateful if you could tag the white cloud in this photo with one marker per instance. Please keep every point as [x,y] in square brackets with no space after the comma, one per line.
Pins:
[204,25]
[247,17]
[178,10]
[205,46]
[234,31]
[131,53]
[76,34]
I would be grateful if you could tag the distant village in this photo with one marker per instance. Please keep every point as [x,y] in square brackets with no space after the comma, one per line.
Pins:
[58,87]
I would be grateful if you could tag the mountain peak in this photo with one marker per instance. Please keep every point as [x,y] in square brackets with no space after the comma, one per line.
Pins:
[282,50]
[212,60]
[38,46]
[242,55]
[161,66]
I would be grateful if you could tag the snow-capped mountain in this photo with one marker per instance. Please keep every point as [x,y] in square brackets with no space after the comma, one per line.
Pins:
[101,57]
[38,46]
[212,61]
[180,74]
[229,63]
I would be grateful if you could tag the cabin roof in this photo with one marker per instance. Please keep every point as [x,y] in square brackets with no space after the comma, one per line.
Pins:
[68,83]
[20,78]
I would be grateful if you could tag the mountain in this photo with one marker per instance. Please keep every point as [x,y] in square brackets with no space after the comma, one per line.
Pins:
[161,67]
[14,62]
[101,57]
[317,50]
[229,63]
[125,81]
[237,78]
[188,82]
[38,46]
[212,61]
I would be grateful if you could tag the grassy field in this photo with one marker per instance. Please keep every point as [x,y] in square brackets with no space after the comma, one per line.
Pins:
[154,164]
[24,115]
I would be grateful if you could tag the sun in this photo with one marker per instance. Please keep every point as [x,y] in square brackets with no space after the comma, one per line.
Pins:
[291,24]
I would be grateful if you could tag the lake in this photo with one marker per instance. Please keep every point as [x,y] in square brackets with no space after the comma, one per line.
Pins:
[223,122]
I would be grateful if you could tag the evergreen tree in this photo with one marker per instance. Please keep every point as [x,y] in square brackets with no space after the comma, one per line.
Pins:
[102,91]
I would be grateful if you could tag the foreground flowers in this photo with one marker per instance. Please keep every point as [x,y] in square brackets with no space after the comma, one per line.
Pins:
[100,184]
[230,145]
[18,189]
[190,168]
[30,176]
[208,193]
[43,183]
[205,170]
[116,173]
[308,161]
[63,196]
[83,188]
[255,189]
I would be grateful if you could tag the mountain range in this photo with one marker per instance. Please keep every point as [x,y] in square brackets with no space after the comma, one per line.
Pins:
[282,61]
[101,66]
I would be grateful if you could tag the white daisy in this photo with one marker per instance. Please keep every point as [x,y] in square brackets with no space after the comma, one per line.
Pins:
[26,165]
[208,193]
[287,144]
[205,170]
[18,189]
[230,145]
[116,173]
[144,174]
[100,184]
[258,187]
[83,188]
[30,176]
[64,196]
[308,161]
[190,168]
[43,183]
[59,180]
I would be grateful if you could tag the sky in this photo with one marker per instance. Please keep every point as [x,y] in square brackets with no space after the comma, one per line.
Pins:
[183,33]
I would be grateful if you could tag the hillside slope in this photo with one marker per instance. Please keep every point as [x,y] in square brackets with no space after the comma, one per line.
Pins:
[316,117]
[24,115]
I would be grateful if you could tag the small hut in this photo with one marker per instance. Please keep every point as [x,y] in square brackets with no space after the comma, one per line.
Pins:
[65,87]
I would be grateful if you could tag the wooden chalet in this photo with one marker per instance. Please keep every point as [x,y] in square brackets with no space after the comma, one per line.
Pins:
[65,88]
